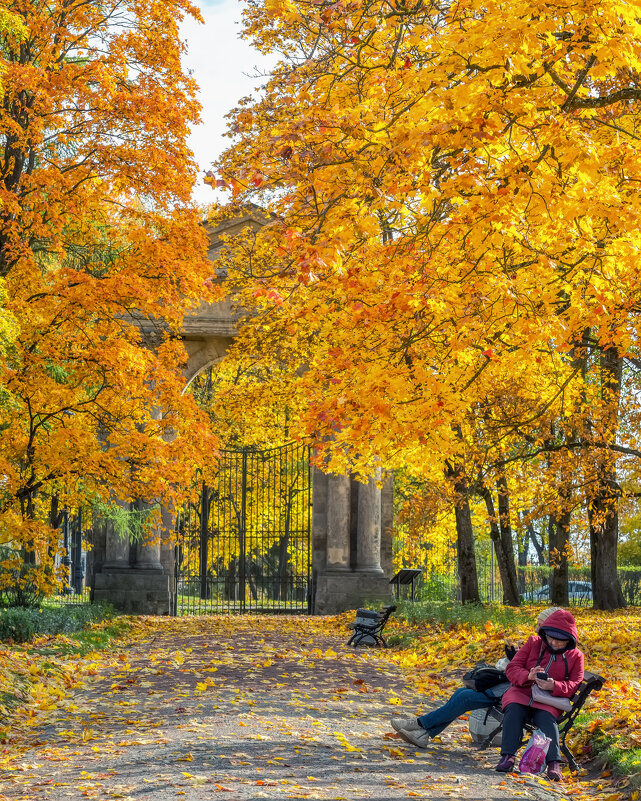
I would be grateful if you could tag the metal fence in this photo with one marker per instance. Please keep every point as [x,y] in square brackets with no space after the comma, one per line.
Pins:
[71,559]
[533,585]
[246,545]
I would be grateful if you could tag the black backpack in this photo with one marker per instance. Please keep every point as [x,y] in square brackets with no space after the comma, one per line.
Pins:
[483,676]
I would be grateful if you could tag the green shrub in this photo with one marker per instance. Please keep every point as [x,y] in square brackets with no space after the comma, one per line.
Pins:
[17,624]
[460,614]
[20,625]
[435,587]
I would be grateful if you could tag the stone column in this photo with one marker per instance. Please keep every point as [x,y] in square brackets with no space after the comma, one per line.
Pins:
[338,522]
[168,540]
[116,548]
[339,586]
[148,553]
[387,523]
[148,556]
[319,519]
[369,527]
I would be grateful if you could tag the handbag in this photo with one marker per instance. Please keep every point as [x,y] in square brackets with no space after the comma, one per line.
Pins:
[546,697]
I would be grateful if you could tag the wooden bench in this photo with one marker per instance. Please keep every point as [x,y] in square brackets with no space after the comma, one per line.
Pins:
[592,682]
[372,629]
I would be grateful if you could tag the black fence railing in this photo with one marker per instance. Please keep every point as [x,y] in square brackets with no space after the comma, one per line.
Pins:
[69,558]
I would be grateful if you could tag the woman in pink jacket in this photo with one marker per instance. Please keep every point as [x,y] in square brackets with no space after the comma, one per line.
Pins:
[554,653]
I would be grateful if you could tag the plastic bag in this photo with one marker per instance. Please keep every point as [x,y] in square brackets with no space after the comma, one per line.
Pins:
[533,759]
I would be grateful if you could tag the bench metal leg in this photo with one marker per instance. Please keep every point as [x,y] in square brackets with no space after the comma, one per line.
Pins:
[487,742]
[569,756]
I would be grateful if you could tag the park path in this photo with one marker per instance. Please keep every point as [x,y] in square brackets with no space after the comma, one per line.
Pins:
[242,708]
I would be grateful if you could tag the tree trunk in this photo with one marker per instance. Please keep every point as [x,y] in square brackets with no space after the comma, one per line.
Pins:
[468,578]
[506,571]
[55,519]
[511,597]
[558,533]
[522,539]
[539,547]
[604,535]
[603,513]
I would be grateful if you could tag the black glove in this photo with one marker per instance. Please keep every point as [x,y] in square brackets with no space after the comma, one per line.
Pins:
[510,652]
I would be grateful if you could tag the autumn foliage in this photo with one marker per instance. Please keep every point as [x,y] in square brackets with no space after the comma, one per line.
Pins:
[452,260]
[101,253]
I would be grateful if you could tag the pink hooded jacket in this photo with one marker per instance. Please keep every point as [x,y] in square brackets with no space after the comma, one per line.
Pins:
[536,652]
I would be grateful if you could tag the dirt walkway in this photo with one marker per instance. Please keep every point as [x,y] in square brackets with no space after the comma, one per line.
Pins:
[250,708]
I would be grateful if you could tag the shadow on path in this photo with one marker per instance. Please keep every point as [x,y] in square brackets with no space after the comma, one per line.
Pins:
[249,708]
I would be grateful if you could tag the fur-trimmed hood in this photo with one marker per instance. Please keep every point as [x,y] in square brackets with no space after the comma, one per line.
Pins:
[561,621]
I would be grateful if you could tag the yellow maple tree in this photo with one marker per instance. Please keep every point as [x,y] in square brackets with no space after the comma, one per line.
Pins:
[454,207]
[101,254]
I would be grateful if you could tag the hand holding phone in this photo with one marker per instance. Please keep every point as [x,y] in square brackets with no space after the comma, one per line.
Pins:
[542,675]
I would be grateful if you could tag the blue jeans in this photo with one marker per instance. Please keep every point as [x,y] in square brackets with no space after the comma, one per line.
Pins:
[463,700]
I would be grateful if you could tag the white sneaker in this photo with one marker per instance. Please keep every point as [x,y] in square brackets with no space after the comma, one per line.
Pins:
[418,738]
[409,724]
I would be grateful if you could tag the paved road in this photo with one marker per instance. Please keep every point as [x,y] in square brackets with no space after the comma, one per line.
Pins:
[233,707]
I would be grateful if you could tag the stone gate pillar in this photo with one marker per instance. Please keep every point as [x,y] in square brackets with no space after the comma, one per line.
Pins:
[368,552]
[152,582]
[350,542]
[338,522]
[132,577]
[148,551]
[116,548]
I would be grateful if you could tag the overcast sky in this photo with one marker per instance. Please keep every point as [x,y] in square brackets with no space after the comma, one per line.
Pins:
[223,66]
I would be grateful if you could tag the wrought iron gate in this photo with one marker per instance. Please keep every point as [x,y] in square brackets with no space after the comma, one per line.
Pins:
[246,545]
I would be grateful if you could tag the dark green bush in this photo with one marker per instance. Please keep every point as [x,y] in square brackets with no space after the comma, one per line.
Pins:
[17,624]
[20,625]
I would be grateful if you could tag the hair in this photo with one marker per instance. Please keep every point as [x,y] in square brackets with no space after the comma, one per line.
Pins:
[544,614]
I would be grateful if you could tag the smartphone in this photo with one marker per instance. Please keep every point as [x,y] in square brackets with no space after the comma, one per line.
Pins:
[541,675]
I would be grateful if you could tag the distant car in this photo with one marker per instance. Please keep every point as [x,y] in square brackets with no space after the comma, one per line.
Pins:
[578,592]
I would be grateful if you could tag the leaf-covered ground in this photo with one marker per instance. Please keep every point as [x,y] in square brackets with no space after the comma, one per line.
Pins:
[269,707]
[611,642]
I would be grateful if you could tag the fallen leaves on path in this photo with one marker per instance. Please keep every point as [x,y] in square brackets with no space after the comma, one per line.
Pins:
[36,679]
[260,707]
[182,687]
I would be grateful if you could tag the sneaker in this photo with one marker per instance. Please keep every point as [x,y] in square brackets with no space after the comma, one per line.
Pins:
[554,771]
[417,736]
[506,763]
[409,724]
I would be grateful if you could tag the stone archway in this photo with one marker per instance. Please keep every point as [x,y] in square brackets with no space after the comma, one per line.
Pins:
[351,521]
